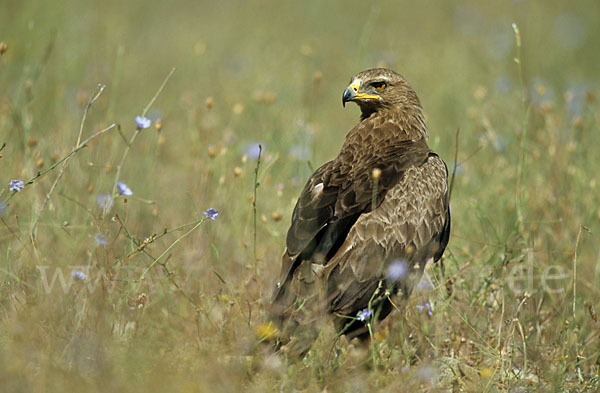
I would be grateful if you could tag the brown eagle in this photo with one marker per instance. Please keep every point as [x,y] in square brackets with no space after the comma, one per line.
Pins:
[367,222]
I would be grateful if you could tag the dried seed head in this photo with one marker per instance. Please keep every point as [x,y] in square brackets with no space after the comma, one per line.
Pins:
[317,76]
[270,97]
[212,151]
[480,92]
[238,108]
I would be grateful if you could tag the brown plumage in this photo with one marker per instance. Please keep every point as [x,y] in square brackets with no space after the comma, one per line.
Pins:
[382,201]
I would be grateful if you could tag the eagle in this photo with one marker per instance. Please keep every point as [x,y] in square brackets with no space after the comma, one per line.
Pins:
[367,222]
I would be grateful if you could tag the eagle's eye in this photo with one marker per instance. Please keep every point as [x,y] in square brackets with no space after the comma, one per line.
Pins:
[379,85]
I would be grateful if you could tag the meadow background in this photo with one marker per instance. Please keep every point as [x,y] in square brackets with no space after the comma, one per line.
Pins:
[168,300]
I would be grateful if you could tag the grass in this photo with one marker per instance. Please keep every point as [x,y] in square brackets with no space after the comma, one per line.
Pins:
[175,301]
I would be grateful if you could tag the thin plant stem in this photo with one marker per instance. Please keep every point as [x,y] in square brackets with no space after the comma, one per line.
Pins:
[118,173]
[256,184]
[170,247]
[141,246]
[170,274]
[451,186]
[522,162]
[574,306]
[135,134]
[92,100]
[82,145]
[160,89]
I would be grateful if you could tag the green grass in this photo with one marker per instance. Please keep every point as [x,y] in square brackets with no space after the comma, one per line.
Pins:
[175,302]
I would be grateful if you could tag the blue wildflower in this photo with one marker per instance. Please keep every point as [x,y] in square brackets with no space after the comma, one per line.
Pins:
[575,100]
[397,270]
[254,149]
[142,122]
[211,213]
[500,144]
[16,185]
[123,189]
[427,306]
[426,373]
[300,152]
[101,239]
[364,314]
[105,201]
[424,285]
[78,275]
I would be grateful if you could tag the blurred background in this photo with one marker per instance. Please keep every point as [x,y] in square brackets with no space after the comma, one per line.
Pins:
[271,73]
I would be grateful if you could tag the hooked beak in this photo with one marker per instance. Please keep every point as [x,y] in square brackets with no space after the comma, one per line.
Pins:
[351,94]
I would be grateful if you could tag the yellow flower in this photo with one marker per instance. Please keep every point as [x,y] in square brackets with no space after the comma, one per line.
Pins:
[486,372]
[267,331]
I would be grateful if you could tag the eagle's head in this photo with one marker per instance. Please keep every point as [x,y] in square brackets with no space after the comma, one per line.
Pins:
[381,89]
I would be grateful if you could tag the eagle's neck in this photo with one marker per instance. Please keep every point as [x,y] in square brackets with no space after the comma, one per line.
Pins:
[410,121]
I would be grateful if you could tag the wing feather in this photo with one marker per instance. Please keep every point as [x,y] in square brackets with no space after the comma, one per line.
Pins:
[321,220]
[419,204]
